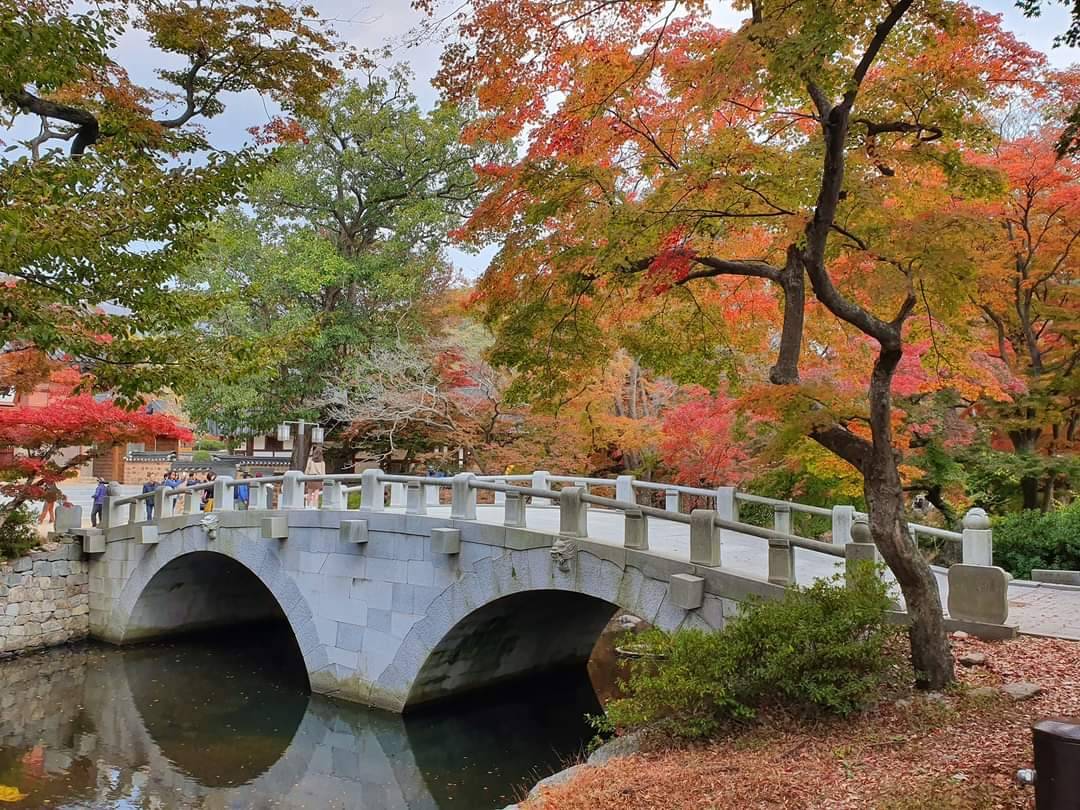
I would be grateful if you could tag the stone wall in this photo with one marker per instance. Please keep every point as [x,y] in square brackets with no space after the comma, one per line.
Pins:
[44,598]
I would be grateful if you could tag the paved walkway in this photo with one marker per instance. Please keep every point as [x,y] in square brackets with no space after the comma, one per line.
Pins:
[1038,608]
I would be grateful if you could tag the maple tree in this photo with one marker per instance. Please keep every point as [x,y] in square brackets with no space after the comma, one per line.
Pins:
[1027,295]
[705,197]
[91,240]
[38,437]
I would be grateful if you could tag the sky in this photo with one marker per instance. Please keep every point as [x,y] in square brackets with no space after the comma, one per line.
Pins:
[372,24]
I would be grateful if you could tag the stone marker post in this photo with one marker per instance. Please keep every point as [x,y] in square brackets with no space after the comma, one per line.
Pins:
[371,490]
[573,516]
[636,530]
[978,547]
[223,494]
[414,499]
[463,497]
[842,518]
[624,489]
[704,538]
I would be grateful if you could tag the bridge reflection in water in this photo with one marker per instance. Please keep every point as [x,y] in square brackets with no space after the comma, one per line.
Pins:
[210,722]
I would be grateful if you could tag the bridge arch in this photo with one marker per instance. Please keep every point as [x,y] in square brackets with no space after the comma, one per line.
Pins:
[519,612]
[188,582]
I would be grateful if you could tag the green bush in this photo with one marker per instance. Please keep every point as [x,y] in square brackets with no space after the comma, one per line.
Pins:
[819,650]
[18,534]
[1032,539]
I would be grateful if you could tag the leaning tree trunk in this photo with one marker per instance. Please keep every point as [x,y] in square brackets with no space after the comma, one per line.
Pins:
[930,654]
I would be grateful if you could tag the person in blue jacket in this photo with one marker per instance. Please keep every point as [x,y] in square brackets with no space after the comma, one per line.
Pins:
[100,494]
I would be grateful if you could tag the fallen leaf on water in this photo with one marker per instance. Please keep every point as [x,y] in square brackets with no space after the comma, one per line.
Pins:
[8,793]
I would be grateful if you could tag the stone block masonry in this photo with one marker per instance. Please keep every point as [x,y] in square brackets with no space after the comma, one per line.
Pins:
[44,598]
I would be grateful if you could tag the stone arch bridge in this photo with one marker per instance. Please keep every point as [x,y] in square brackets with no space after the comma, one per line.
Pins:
[409,599]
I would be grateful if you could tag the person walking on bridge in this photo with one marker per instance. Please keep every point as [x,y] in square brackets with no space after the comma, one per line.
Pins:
[149,486]
[100,494]
[316,465]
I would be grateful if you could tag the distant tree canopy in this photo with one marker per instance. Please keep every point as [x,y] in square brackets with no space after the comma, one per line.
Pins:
[339,255]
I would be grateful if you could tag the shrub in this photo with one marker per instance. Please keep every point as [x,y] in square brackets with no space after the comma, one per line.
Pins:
[1033,539]
[18,534]
[819,650]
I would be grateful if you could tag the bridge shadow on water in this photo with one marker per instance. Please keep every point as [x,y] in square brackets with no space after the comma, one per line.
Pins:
[226,720]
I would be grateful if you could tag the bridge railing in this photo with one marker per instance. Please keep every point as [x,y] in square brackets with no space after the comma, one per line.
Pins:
[570,494]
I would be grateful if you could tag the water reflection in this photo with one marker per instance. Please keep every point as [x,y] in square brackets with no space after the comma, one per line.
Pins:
[196,724]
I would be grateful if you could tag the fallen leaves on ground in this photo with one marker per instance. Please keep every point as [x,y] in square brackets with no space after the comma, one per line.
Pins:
[938,752]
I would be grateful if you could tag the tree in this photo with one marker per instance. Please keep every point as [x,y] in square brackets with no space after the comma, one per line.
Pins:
[38,437]
[788,186]
[91,242]
[1028,299]
[341,255]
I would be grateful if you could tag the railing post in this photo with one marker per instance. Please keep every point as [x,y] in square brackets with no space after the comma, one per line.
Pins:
[727,507]
[258,495]
[332,496]
[573,516]
[133,511]
[781,518]
[636,530]
[111,513]
[540,479]
[431,494]
[584,487]
[514,510]
[781,561]
[292,490]
[223,494]
[397,494]
[624,489]
[462,498]
[371,490]
[861,548]
[978,545]
[842,519]
[671,500]
[500,497]
[414,499]
[191,505]
[704,538]
[163,503]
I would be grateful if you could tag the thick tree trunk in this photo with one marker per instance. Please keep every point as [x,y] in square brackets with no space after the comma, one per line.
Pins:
[930,654]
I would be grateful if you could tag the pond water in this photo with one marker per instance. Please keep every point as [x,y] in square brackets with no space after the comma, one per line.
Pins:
[226,722]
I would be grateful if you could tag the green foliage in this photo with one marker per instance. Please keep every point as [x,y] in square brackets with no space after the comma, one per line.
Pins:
[1032,539]
[819,650]
[342,254]
[993,477]
[18,533]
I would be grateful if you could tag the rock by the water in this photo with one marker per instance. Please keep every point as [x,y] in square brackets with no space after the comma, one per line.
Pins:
[1021,690]
[618,747]
[972,659]
[556,779]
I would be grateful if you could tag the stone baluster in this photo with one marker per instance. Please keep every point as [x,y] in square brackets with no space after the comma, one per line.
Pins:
[704,538]
[500,497]
[978,540]
[193,503]
[292,490]
[541,479]
[573,516]
[258,494]
[462,497]
[584,487]
[861,547]
[414,499]
[514,510]
[112,514]
[781,561]
[727,507]
[431,494]
[624,489]
[332,495]
[372,492]
[163,503]
[397,494]
[671,500]
[223,494]
[636,530]
[133,511]
[842,519]
[781,518]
